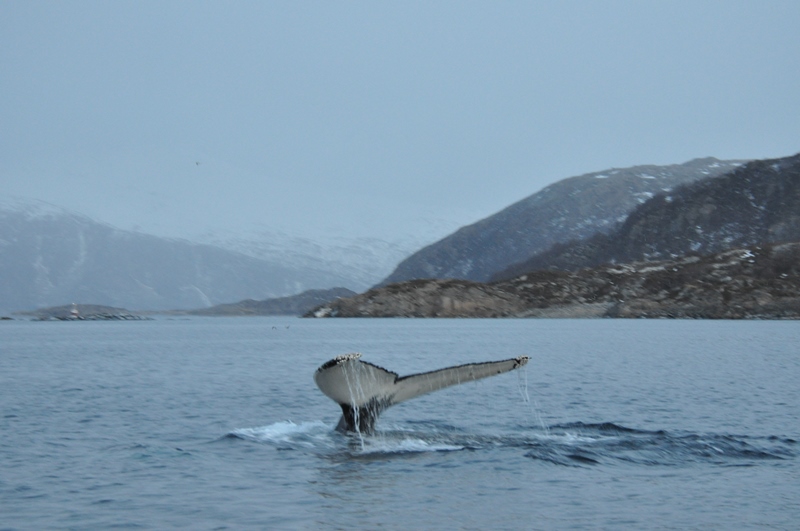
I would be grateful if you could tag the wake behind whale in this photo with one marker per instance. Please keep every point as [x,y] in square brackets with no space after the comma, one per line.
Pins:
[575,444]
[364,390]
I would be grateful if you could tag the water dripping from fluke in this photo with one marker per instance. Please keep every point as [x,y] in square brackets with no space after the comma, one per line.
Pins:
[364,390]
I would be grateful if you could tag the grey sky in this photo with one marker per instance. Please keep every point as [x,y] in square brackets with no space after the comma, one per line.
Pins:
[375,118]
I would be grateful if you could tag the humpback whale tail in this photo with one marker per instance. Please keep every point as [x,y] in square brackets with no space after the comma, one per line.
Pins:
[364,390]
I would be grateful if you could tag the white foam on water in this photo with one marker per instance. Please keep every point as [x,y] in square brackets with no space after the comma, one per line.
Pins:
[318,435]
[384,446]
[286,433]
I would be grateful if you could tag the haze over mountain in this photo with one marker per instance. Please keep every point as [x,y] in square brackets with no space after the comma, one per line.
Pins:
[362,261]
[570,209]
[370,119]
[50,256]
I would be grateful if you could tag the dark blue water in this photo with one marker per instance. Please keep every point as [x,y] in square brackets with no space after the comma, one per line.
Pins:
[217,424]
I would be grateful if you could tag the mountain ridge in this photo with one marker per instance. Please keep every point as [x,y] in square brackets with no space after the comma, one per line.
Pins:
[756,203]
[573,208]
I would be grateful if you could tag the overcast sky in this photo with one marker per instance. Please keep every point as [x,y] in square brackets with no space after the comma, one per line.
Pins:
[375,118]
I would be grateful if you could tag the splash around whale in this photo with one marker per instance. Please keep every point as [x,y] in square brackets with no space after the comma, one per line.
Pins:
[364,390]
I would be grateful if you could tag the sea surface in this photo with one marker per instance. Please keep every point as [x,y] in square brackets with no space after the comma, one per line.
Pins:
[215,423]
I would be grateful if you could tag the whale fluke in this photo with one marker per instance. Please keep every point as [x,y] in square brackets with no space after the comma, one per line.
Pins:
[364,390]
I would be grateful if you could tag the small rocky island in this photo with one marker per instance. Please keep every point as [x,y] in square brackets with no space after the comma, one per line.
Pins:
[84,312]
[758,282]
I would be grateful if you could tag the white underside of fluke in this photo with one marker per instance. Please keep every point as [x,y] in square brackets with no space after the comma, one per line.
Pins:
[356,384]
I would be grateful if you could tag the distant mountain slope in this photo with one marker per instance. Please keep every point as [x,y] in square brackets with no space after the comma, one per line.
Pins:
[49,256]
[755,204]
[361,261]
[292,305]
[570,209]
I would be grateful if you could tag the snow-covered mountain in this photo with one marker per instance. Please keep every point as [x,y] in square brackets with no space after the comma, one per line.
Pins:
[362,261]
[570,209]
[755,204]
[51,256]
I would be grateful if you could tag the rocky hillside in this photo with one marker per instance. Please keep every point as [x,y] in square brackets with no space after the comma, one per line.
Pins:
[49,256]
[748,283]
[571,209]
[293,305]
[757,203]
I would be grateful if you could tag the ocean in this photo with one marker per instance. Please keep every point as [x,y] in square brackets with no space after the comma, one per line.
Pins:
[215,423]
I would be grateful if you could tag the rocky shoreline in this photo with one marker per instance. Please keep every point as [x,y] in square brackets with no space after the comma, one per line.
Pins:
[759,282]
